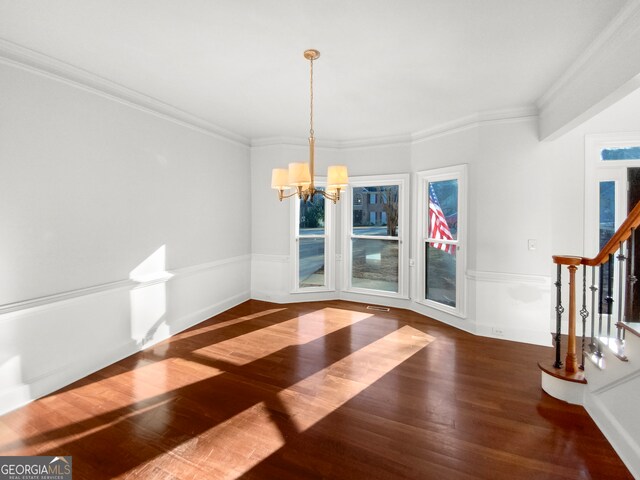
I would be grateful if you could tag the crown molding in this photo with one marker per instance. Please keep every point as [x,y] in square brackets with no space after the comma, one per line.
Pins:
[623,25]
[583,91]
[386,141]
[35,62]
[24,58]
[328,143]
[279,141]
[511,115]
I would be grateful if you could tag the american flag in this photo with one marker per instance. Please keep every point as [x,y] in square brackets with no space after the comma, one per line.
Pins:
[438,228]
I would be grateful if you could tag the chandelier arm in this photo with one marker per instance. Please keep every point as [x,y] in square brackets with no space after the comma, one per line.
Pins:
[334,197]
[282,196]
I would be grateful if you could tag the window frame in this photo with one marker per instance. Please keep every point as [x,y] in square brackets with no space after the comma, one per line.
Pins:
[329,245]
[403,183]
[422,180]
[598,170]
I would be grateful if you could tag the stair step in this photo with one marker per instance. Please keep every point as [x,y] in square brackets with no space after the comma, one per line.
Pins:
[597,360]
[614,345]
[561,373]
[633,327]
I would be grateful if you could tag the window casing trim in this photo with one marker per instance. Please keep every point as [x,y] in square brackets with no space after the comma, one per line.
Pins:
[422,179]
[403,182]
[329,245]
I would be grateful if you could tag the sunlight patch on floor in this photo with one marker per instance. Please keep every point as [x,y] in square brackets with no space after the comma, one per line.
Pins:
[330,388]
[232,448]
[253,346]
[227,323]
[251,436]
[142,383]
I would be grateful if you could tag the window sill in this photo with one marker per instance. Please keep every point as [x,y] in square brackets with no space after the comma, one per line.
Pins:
[443,308]
[312,290]
[377,293]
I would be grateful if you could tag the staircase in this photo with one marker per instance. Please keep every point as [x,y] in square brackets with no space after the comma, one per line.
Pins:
[601,368]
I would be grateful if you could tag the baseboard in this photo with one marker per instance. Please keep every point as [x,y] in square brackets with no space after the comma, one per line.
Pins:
[514,334]
[464,324]
[515,307]
[74,336]
[45,384]
[521,315]
[203,314]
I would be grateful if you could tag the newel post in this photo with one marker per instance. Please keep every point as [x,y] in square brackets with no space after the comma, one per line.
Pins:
[571,359]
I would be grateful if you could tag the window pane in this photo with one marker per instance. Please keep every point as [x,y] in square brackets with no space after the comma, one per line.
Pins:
[443,210]
[626,153]
[607,211]
[311,263]
[312,216]
[607,229]
[375,210]
[441,273]
[374,264]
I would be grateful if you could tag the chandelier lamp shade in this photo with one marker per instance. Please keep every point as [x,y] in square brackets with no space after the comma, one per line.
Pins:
[300,176]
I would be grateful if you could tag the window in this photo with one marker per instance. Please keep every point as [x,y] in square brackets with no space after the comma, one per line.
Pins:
[609,159]
[620,153]
[611,164]
[376,260]
[441,252]
[607,219]
[312,246]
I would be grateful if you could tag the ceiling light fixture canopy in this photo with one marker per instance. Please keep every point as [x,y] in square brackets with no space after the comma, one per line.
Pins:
[300,176]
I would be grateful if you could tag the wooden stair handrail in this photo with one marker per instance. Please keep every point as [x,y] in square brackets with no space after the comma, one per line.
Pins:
[572,263]
[613,245]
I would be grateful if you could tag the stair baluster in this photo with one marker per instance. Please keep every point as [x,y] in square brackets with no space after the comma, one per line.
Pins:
[584,313]
[600,310]
[632,276]
[593,288]
[559,311]
[621,259]
[609,298]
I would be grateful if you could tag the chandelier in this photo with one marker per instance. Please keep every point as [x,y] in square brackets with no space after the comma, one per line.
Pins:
[300,176]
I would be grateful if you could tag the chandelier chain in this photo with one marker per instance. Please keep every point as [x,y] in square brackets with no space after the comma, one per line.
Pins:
[311,101]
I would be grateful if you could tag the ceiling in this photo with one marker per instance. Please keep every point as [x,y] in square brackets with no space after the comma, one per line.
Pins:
[386,68]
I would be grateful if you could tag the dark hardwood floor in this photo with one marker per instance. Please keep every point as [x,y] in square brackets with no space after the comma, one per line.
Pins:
[317,390]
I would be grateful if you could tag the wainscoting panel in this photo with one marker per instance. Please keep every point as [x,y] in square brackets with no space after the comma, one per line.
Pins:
[511,306]
[50,342]
[270,278]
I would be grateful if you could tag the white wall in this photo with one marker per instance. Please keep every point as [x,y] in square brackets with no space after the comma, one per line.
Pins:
[519,189]
[508,285]
[568,166]
[116,230]
[509,198]
[271,279]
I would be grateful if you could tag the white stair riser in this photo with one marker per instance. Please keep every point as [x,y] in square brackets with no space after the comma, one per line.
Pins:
[570,392]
